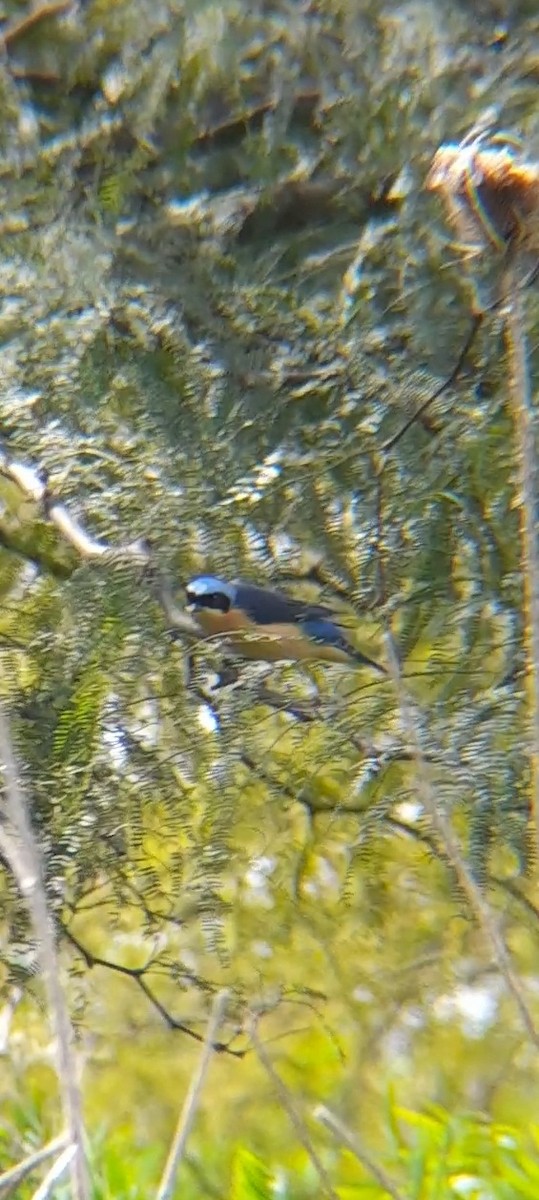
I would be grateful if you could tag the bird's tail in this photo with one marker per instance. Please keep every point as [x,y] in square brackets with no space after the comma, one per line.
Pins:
[363,661]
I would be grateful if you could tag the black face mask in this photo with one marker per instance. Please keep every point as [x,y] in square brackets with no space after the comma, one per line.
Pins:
[214,600]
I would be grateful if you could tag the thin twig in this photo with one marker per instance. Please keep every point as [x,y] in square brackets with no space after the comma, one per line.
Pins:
[137,974]
[289,1106]
[15,1175]
[472,334]
[442,826]
[350,1140]
[19,846]
[192,1100]
[523,416]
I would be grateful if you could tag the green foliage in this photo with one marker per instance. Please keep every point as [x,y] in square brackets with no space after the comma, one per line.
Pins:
[251,1179]
[223,290]
[429,1156]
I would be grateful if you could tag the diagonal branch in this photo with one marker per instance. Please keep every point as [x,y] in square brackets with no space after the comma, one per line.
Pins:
[10,1179]
[346,1138]
[138,553]
[479,906]
[137,974]
[20,848]
[447,383]
[289,1106]
[192,1099]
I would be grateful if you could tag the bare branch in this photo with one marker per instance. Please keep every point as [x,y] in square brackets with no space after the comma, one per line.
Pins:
[15,1175]
[35,489]
[192,1100]
[442,825]
[18,844]
[351,1141]
[447,383]
[137,974]
[57,1170]
[138,553]
[289,1106]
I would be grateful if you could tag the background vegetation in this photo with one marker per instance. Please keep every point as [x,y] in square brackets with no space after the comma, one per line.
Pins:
[223,289]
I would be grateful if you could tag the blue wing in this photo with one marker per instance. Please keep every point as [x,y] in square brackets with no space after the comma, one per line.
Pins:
[268,607]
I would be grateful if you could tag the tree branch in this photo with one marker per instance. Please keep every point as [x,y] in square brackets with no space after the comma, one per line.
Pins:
[19,846]
[192,1100]
[11,1178]
[138,553]
[442,825]
[289,1106]
[137,974]
[351,1141]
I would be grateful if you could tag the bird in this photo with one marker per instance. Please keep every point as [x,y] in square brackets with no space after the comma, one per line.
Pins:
[263,624]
